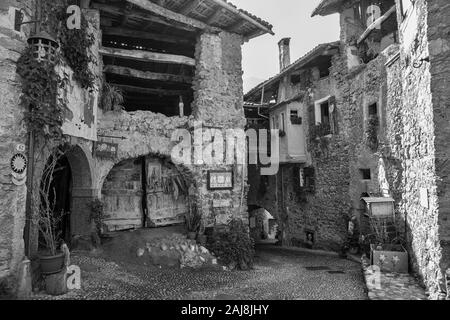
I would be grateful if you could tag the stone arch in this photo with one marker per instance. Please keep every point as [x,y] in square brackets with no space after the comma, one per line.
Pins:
[83,190]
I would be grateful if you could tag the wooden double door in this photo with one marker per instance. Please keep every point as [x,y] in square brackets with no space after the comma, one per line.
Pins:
[145,192]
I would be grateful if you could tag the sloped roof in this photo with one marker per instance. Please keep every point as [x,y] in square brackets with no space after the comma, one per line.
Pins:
[229,14]
[314,53]
[327,7]
[263,22]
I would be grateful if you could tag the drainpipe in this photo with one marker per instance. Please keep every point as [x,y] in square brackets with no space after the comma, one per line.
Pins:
[30,169]
[29,202]
[262,101]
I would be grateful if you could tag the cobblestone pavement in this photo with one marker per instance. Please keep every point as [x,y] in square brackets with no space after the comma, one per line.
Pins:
[392,286]
[277,275]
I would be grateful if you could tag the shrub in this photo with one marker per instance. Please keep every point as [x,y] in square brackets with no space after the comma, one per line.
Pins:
[97,213]
[7,288]
[234,246]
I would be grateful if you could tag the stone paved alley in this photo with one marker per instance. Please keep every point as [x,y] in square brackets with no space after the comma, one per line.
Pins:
[277,275]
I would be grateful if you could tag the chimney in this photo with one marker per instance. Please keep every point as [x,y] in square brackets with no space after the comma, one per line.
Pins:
[285,53]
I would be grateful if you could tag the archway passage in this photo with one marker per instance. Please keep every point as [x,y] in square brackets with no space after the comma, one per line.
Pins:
[264,227]
[67,182]
[54,192]
[62,186]
[144,192]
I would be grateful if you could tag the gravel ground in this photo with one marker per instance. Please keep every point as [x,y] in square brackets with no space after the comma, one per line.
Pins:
[277,275]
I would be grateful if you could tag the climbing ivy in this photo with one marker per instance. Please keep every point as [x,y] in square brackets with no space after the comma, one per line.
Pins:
[372,133]
[75,43]
[41,80]
[40,84]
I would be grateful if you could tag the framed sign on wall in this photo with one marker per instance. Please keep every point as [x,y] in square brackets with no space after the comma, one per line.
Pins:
[105,150]
[220,180]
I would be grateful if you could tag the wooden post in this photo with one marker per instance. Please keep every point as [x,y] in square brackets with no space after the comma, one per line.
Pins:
[181,106]
[447,276]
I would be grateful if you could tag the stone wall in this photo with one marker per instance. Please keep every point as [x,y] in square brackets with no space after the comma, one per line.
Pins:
[12,133]
[439,50]
[218,103]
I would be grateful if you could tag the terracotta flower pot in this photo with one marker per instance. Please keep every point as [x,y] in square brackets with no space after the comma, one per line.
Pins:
[51,264]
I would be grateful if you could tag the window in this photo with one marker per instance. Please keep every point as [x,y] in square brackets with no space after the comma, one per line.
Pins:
[373,110]
[324,123]
[282,128]
[309,180]
[325,113]
[365,174]
[295,79]
[325,116]
[295,119]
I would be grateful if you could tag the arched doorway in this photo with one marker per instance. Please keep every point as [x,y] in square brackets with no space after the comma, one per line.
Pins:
[263,226]
[66,189]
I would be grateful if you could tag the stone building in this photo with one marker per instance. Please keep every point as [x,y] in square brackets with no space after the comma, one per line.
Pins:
[310,200]
[179,67]
[406,74]
[390,108]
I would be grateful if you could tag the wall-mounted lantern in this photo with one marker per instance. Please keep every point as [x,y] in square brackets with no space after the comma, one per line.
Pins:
[44,47]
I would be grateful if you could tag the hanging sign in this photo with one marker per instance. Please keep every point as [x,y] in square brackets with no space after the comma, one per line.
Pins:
[106,150]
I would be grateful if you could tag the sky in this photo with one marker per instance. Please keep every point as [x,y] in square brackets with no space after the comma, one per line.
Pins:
[290,18]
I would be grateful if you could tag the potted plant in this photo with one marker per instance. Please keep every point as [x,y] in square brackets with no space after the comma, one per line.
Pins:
[193,221]
[52,259]
[386,249]
[48,221]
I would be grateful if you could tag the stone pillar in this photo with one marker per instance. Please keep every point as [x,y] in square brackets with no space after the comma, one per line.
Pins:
[218,105]
[12,134]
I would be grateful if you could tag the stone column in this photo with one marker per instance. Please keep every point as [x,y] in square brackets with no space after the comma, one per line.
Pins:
[218,105]
[12,134]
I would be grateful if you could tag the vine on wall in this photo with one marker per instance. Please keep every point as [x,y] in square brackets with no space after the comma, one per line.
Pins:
[41,81]
[372,133]
[75,43]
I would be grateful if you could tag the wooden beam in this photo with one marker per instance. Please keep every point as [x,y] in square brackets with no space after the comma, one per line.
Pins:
[140,15]
[171,15]
[147,75]
[124,32]
[212,19]
[238,25]
[189,7]
[155,91]
[141,55]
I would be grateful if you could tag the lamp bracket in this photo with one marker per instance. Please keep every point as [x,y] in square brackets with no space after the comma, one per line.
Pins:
[18,20]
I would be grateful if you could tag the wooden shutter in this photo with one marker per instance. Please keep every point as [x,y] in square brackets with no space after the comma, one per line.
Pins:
[312,121]
[333,115]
